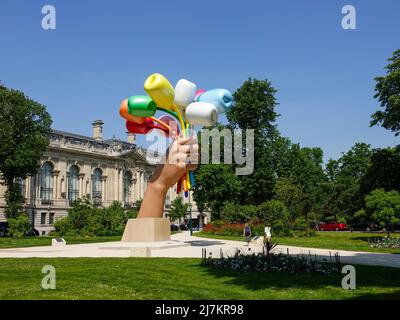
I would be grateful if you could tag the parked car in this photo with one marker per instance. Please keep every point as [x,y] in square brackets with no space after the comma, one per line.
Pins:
[332,226]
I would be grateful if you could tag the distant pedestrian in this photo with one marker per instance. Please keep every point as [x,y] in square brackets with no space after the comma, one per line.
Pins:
[247,233]
[267,232]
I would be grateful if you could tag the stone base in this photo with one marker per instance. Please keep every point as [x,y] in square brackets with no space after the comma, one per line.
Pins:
[143,249]
[147,230]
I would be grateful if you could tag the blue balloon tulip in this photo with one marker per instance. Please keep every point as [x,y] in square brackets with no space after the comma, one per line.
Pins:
[221,98]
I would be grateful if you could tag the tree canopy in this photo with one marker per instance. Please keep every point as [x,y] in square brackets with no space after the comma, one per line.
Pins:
[178,210]
[388,94]
[254,108]
[24,128]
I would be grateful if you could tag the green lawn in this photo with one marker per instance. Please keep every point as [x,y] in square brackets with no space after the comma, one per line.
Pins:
[46,241]
[166,278]
[6,242]
[355,241]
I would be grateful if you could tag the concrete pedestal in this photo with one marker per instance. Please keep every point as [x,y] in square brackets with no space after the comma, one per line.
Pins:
[147,230]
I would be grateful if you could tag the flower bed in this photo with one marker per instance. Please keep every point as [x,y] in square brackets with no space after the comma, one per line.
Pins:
[273,263]
[266,261]
[393,243]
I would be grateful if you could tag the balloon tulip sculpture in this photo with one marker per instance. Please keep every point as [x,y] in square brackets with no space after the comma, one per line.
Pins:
[186,104]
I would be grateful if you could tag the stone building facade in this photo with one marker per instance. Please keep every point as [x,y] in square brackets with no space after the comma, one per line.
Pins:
[76,166]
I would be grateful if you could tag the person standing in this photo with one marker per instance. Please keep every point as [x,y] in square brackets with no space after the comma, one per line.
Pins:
[247,233]
[267,232]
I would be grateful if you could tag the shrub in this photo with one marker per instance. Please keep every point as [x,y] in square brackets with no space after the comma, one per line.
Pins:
[281,230]
[300,224]
[309,232]
[232,212]
[301,228]
[273,212]
[18,227]
[249,212]
[62,226]
[232,229]
[85,220]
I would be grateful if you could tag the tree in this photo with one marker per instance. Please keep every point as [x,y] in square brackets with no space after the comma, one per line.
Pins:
[383,207]
[291,195]
[254,108]
[215,185]
[340,195]
[383,171]
[24,128]
[354,163]
[388,94]
[305,170]
[178,210]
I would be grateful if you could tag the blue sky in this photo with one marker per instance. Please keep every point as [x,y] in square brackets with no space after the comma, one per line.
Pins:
[102,51]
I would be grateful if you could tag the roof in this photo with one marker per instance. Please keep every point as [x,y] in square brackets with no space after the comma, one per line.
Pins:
[125,146]
[91,139]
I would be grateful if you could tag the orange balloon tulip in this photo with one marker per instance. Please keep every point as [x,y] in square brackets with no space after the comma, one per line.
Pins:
[123,111]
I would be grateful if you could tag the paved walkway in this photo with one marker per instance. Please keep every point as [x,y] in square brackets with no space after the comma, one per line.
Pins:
[175,249]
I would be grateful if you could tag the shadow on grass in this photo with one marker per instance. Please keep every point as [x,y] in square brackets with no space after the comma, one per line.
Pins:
[368,279]
[369,239]
[378,296]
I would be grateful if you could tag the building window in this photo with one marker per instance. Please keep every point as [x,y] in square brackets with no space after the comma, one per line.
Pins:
[43,218]
[73,184]
[51,218]
[127,187]
[22,186]
[96,186]
[46,183]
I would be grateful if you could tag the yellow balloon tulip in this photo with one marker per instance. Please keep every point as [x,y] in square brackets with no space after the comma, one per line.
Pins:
[160,90]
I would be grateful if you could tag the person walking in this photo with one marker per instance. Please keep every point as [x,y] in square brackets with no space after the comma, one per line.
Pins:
[247,233]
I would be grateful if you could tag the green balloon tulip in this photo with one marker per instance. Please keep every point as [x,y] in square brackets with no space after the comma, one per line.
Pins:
[141,106]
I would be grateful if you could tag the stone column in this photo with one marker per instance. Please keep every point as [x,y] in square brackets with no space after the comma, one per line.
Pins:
[141,184]
[37,187]
[81,191]
[55,184]
[90,187]
[119,185]
[103,188]
[63,183]
[133,190]
[116,184]
[28,189]
[138,190]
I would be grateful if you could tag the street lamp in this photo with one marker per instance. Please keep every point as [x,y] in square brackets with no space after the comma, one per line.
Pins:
[190,218]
